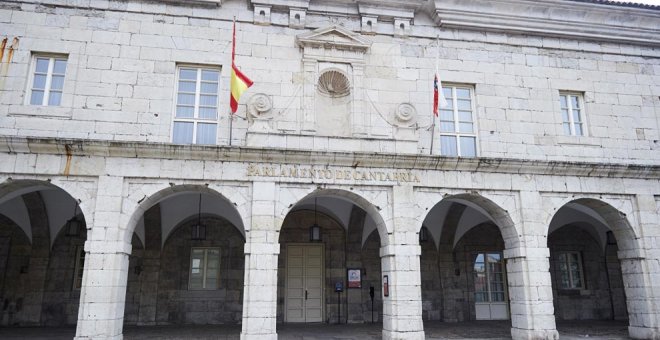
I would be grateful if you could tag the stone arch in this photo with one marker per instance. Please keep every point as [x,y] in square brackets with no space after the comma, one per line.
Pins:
[616,220]
[145,197]
[618,215]
[59,211]
[379,215]
[487,207]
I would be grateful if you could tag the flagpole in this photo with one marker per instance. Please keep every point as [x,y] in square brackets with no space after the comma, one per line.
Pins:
[231,126]
[437,54]
[233,51]
[432,135]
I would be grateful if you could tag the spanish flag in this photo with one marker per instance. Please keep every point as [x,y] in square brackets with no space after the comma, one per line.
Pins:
[239,82]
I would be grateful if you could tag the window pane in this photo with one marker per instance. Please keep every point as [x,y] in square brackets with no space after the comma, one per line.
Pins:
[196,281]
[447,126]
[465,116]
[578,130]
[207,112]
[448,146]
[186,73]
[575,102]
[57,82]
[447,115]
[42,65]
[206,133]
[37,97]
[567,129]
[185,111]
[576,116]
[54,98]
[564,115]
[186,99]
[60,66]
[462,93]
[465,127]
[447,92]
[210,88]
[562,100]
[468,147]
[39,81]
[480,297]
[498,297]
[207,100]
[464,105]
[577,280]
[183,133]
[565,283]
[187,86]
[210,75]
[211,283]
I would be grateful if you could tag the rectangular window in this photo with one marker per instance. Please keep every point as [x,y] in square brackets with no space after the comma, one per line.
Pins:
[570,270]
[47,82]
[572,113]
[458,136]
[204,268]
[196,110]
[79,268]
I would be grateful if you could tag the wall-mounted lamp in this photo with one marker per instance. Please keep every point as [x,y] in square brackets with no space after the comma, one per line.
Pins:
[73,224]
[199,230]
[315,229]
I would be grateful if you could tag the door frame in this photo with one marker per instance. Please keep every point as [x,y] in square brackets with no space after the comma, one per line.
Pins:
[474,254]
[286,278]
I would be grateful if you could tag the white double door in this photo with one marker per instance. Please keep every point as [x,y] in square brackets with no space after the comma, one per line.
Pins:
[304,283]
[490,287]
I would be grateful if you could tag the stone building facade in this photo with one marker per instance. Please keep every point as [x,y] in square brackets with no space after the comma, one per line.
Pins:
[130,196]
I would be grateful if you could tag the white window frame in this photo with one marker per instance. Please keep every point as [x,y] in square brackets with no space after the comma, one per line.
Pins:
[457,134]
[571,280]
[204,268]
[78,268]
[569,108]
[195,119]
[49,77]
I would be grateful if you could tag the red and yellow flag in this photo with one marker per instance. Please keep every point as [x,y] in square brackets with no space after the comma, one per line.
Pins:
[238,81]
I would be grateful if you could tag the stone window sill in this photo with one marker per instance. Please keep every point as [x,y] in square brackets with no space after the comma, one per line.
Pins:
[579,140]
[41,111]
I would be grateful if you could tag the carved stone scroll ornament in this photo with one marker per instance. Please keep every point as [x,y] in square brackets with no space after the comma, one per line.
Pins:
[260,106]
[405,115]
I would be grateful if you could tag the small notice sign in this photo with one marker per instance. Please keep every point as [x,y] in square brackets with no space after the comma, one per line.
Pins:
[354,278]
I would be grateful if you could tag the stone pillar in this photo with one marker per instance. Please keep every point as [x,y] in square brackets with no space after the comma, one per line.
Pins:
[261,250]
[101,312]
[528,274]
[360,119]
[641,273]
[308,120]
[530,293]
[402,309]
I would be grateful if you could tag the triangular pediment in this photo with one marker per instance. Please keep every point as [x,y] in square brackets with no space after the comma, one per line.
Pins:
[334,37]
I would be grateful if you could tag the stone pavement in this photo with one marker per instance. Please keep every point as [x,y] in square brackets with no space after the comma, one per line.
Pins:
[601,330]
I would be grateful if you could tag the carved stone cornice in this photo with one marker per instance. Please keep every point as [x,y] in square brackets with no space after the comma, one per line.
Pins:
[198,2]
[93,148]
[283,4]
[559,18]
